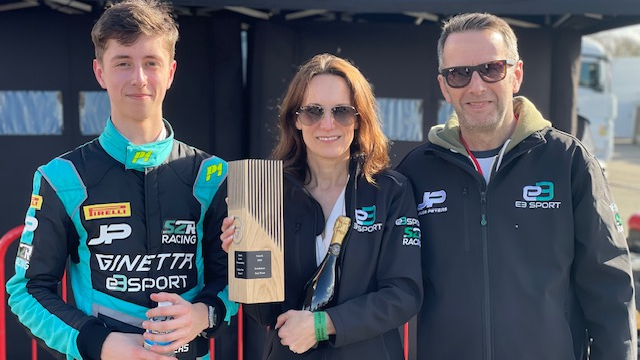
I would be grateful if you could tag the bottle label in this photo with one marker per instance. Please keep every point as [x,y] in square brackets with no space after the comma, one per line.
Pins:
[148,343]
[253,264]
[335,249]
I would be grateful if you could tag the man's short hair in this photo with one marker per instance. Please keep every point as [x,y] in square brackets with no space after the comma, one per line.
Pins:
[127,20]
[478,22]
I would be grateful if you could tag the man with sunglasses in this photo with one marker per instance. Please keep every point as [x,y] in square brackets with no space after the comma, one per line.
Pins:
[524,255]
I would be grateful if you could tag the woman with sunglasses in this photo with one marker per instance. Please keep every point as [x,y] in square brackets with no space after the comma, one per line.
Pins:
[336,163]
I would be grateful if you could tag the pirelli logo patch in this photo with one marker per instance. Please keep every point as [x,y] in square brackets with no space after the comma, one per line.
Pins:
[103,211]
[36,202]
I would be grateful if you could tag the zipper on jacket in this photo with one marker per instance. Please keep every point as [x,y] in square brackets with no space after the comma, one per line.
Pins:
[483,203]
[147,210]
[488,339]
[465,203]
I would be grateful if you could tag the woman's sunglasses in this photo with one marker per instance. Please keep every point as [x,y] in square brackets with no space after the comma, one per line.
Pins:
[460,76]
[344,115]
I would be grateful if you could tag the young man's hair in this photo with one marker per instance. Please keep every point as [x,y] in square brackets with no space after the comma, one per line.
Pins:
[369,141]
[478,22]
[127,20]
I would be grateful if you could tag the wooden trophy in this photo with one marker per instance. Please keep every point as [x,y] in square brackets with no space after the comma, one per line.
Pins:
[256,255]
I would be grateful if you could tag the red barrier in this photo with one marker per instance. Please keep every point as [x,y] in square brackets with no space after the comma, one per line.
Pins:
[406,341]
[240,333]
[5,241]
[634,222]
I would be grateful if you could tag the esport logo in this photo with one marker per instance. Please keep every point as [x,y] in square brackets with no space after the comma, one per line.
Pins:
[366,220]
[538,196]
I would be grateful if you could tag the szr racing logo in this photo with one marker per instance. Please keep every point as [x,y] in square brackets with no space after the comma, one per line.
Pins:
[538,196]
[179,232]
[411,234]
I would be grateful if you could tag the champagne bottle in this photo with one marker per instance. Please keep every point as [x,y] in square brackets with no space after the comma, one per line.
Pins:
[321,288]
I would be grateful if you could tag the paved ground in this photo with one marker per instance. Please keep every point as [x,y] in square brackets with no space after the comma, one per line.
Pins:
[623,173]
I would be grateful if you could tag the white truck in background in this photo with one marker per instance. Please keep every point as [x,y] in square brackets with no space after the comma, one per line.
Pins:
[597,105]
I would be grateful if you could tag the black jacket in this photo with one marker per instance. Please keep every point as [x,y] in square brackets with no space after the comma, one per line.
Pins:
[527,266]
[380,285]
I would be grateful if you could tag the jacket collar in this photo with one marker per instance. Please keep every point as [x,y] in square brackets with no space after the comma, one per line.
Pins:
[530,120]
[136,157]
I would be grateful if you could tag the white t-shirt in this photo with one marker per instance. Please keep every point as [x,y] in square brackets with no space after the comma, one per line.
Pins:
[486,159]
[322,243]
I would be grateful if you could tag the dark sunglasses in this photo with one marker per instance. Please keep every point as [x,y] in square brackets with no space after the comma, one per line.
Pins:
[344,115]
[460,76]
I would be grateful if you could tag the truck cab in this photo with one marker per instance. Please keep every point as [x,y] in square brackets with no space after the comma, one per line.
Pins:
[597,105]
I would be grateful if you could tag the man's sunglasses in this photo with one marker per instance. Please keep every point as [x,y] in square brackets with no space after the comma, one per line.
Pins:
[460,76]
[344,115]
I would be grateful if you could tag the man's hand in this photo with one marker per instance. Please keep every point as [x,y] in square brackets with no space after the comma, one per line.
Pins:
[186,321]
[119,346]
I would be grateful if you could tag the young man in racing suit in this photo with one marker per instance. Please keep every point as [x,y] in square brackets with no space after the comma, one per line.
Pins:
[524,255]
[136,212]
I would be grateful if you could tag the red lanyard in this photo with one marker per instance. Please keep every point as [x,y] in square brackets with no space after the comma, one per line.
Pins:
[473,158]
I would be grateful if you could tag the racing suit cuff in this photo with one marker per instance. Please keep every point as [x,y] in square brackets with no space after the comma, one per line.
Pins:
[230,307]
[91,338]
[225,308]
[220,312]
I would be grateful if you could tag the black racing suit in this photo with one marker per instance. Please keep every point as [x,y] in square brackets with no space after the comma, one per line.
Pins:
[380,285]
[530,265]
[133,220]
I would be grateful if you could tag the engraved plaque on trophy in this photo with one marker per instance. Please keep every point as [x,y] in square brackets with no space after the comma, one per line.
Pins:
[256,255]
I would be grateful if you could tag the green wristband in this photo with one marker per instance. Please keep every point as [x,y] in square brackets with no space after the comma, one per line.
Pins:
[320,323]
